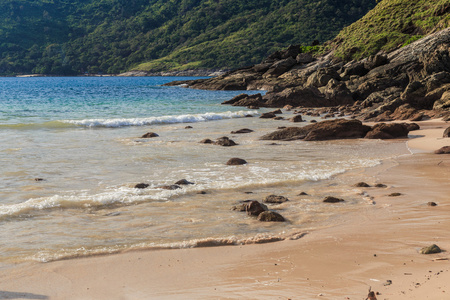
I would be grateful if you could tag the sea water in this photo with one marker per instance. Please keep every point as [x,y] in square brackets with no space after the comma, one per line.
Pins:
[71,153]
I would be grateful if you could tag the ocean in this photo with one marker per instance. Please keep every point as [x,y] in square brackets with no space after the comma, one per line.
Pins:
[71,153]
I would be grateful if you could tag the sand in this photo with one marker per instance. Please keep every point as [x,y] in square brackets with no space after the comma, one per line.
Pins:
[376,248]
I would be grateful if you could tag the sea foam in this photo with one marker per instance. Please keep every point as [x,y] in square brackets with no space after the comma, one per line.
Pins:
[189,118]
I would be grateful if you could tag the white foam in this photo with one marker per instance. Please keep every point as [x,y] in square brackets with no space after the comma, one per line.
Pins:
[194,118]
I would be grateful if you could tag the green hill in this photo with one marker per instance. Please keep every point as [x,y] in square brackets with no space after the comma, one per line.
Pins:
[112,36]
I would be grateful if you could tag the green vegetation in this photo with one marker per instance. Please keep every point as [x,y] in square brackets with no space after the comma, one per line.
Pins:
[390,25]
[112,36]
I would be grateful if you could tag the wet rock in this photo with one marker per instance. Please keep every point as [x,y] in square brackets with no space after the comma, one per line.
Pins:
[387,131]
[446,133]
[170,187]
[239,207]
[254,208]
[275,199]
[246,100]
[431,249]
[149,135]
[183,182]
[188,127]
[443,150]
[141,186]
[236,161]
[380,185]
[296,118]
[331,199]
[431,204]
[395,194]
[206,141]
[225,142]
[243,130]
[268,115]
[362,184]
[270,216]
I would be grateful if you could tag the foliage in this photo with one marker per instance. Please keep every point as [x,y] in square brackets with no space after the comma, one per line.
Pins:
[112,36]
[390,25]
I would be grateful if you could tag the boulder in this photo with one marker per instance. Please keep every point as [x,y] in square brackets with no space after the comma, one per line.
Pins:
[331,199]
[321,77]
[275,199]
[246,100]
[236,161]
[270,216]
[443,150]
[431,249]
[183,182]
[225,142]
[280,67]
[296,96]
[446,133]
[254,208]
[362,184]
[404,112]
[325,130]
[387,131]
[149,135]
[243,130]
[141,186]
[374,61]
[296,119]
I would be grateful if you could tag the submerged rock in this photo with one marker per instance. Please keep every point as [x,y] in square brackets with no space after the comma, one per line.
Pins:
[170,187]
[149,135]
[275,199]
[141,186]
[183,182]
[236,161]
[270,216]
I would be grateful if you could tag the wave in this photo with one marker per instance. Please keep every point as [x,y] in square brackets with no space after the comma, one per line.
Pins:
[189,118]
[64,254]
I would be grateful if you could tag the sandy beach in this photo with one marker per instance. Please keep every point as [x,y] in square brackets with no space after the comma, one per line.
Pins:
[376,248]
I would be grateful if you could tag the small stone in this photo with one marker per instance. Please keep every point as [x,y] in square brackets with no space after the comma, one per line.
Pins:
[188,127]
[395,194]
[275,199]
[243,130]
[141,186]
[236,161]
[149,135]
[331,199]
[303,194]
[183,182]
[270,216]
[362,184]
[431,249]
[431,204]
[380,185]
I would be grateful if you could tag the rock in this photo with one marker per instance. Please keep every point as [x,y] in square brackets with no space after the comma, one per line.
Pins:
[321,77]
[170,187]
[411,126]
[280,67]
[188,127]
[387,131]
[303,194]
[446,133]
[431,249]
[296,96]
[39,179]
[225,142]
[240,207]
[443,102]
[331,199]
[325,130]
[206,141]
[404,112]
[141,186]
[183,182]
[288,107]
[149,135]
[236,161]
[431,204]
[275,199]
[278,118]
[362,184]
[254,208]
[270,216]
[304,58]
[374,61]
[246,100]
[243,130]
[277,112]
[268,115]
[443,150]
[395,194]
[296,119]
[202,193]
[380,185]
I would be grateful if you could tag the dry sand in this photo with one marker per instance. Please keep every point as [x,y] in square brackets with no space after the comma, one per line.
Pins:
[376,248]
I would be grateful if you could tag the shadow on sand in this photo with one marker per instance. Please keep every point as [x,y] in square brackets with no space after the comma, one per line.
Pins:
[14,295]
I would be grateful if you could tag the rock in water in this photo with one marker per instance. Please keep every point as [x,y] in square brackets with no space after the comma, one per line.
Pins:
[141,186]
[183,182]
[149,135]
[430,249]
[225,141]
[275,199]
[254,208]
[236,161]
[270,216]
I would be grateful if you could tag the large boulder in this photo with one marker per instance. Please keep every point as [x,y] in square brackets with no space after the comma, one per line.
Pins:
[388,131]
[325,130]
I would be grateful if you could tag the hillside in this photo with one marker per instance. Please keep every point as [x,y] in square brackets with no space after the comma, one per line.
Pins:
[112,36]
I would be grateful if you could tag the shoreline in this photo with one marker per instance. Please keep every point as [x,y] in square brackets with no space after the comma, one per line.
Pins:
[364,250]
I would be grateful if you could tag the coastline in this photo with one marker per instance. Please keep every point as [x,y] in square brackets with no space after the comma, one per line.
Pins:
[367,248]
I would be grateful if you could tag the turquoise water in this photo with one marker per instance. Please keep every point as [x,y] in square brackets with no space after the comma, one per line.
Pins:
[111,101]
[81,138]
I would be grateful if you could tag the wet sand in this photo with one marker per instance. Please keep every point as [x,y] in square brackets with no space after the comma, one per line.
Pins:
[375,248]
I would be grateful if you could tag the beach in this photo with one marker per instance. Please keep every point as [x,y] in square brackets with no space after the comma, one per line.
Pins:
[375,247]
